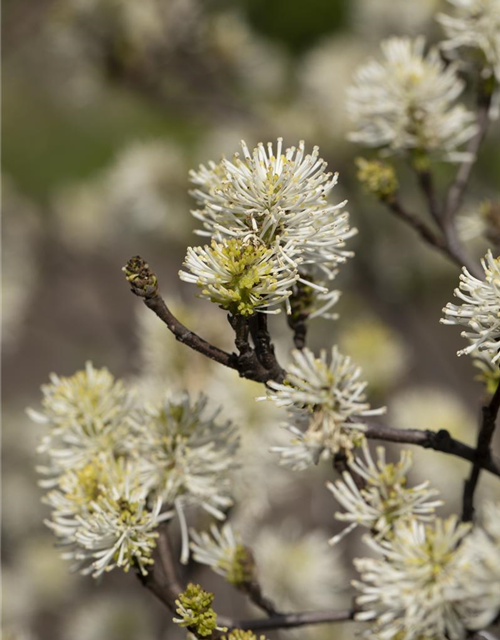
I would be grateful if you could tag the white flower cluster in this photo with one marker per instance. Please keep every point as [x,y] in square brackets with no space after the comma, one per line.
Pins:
[223,551]
[117,470]
[385,498]
[326,406]
[475,26]
[406,102]
[480,310]
[296,569]
[240,277]
[185,457]
[87,414]
[271,224]
[437,581]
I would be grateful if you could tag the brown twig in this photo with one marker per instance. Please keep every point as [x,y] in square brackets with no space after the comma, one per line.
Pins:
[264,348]
[162,579]
[426,182]
[254,592]
[290,620]
[143,283]
[445,243]
[301,306]
[442,243]
[457,188]
[444,215]
[436,440]
[482,453]
[340,464]
[423,230]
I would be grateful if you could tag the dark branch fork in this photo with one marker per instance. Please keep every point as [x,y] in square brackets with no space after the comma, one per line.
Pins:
[259,363]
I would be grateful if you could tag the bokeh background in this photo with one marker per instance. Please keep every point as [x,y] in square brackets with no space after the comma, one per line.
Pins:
[107,104]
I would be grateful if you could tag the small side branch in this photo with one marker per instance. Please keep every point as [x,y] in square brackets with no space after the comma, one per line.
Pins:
[436,440]
[163,582]
[144,283]
[291,620]
[457,188]
[254,593]
[264,347]
[162,579]
[446,243]
[481,453]
[300,302]
[426,183]
[423,230]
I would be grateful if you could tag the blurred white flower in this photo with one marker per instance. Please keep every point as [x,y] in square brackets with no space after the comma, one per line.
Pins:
[215,549]
[480,310]
[113,465]
[407,590]
[113,617]
[297,570]
[146,188]
[479,578]
[378,350]
[166,362]
[242,277]
[185,457]
[385,499]
[258,64]
[17,632]
[471,225]
[324,74]
[224,553]
[376,19]
[83,32]
[21,230]
[327,400]
[406,102]
[142,191]
[436,409]
[87,414]
[43,581]
[258,485]
[475,25]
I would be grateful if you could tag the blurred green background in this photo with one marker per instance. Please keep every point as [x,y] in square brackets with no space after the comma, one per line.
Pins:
[107,104]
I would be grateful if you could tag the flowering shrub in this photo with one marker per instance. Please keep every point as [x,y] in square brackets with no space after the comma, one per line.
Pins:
[120,470]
